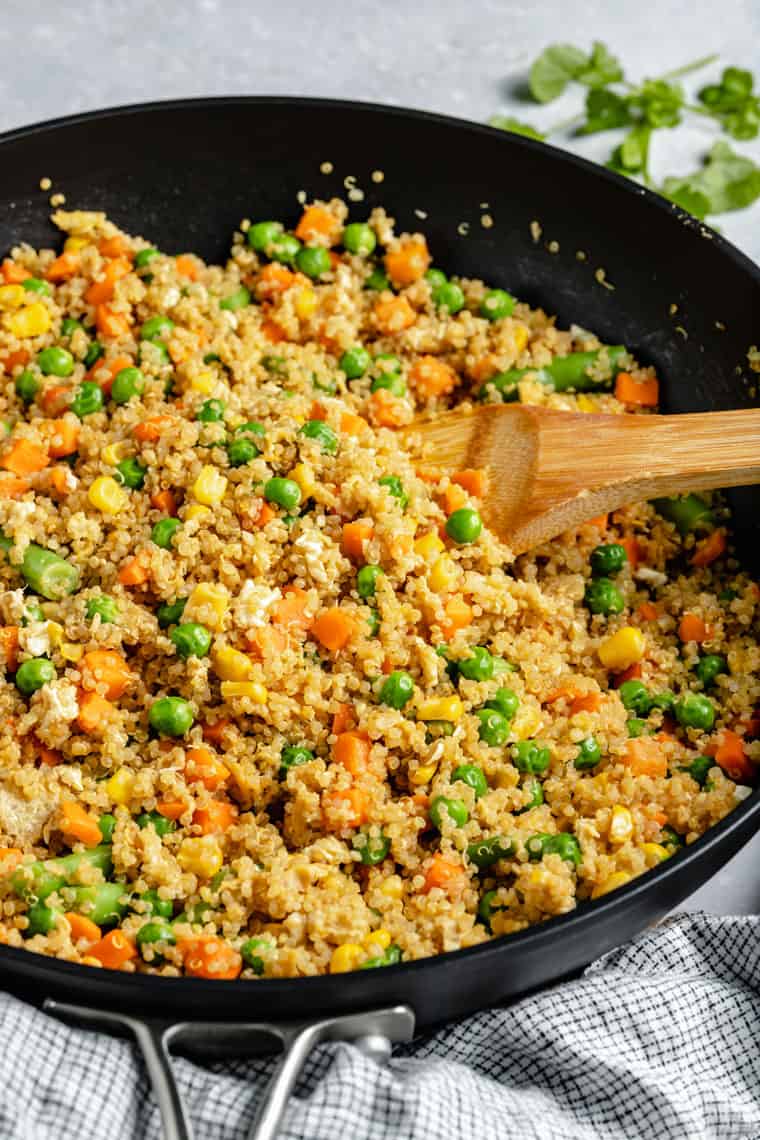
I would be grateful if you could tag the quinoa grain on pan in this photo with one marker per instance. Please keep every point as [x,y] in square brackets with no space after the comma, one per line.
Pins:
[274,701]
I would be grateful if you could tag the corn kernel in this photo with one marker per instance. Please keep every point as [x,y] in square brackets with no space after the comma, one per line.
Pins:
[527,721]
[423,774]
[88,960]
[210,486]
[55,633]
[520,337]
[107,496]
[623,649]
[115,452]
[303,475]
[347,957]
[305,303]
[119,787]
[392,887]
[429,546]
[586,403]
[621,825]
[32,320]
[74,244]
[208,605]
[203,383]
[197,511]
[231,665]
[380,938]
[253,689]
[611,883]
[655,853]
[202,855]
[12,296]
[441,708]
[443,574]
[70,651]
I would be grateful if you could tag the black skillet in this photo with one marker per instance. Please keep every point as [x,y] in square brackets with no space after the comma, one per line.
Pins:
[605,254]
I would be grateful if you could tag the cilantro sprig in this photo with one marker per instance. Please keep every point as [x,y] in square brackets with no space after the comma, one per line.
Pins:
[726,180]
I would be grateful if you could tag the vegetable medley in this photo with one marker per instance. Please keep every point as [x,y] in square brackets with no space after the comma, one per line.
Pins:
[275,701]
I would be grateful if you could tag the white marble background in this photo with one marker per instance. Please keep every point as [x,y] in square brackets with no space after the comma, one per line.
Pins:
[465,59]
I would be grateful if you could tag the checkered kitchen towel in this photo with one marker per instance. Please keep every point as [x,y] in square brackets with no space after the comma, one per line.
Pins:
[659,1040]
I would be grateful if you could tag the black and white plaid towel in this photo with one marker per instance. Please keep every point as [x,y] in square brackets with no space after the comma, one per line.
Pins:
[659,1040]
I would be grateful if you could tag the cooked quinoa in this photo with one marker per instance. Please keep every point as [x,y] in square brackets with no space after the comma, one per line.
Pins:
[274,700]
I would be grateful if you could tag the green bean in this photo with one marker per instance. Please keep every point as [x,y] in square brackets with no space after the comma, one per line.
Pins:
[104,903]
[40,879]
[45,571]
[565,373]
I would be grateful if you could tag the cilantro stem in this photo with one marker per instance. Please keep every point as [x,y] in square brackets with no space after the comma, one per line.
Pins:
[689,67]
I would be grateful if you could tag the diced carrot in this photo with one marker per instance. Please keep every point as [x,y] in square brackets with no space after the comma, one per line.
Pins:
[274,279]
[55,399]
[693,628]
[62,438]
[318,411]
[107,667]
[266,514]
[408,262]
[214,733]
[207,956]
[386,409]
[48,757]
[445,874]
[164,501]
[601,522]
[9,646]
[484,368]
[114,246]
[473,479]
[64,266]
[60,481]
[632,550]
[632,673]
[13,486]
[151,430]
[355,534]
[454,497]
[25,458]
[351,424]
[290,610]
[267,642]
[78,825]
[14,274]
[94,712]
[104,372]
[333,628]
[114,950]
[203,767]
[318,223]
[432,377]
[731,757]
[273,332]
[588,702]
[81,928]
[10,857]
[171,809]
[710,548]
[639,393]
[648,611]
[136,571]
[393,314]
[342,719]
[102,290]
[215,817]
[564,692]
[352,750]
[111,325]
[458,616]
[15,359]
[644,757]
[658,816]
[349,808]
[187,266]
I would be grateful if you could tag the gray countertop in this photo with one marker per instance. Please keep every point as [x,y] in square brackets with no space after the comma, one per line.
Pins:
[461,59]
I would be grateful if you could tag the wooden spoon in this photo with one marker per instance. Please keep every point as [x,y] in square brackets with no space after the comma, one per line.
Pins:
[549,471]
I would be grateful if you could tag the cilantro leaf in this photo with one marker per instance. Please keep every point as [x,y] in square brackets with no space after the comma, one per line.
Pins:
[659,103]
[733,103]
[602,68]
[632,156]
[554,69]
[605,110]
[693,201]
[727,181]
[505,123]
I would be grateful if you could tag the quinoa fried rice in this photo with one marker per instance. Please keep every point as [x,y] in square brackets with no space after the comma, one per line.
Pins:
[278,703]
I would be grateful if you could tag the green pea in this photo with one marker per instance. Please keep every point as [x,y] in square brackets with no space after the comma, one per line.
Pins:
[636,727]
[27,385]
[144,257]
[41,918]
[278,365]
[171,716]
[210,412]
[170,612]
[366,580]
[151,934]
[670,838]
[728,595]
[261,235]
[249,429]
[395,488]
[699,768]
[160,824]
[241,451]
[131,473]
[33,611]
[487,908]
[69,325]
[127,383]
[107,825]
[664,700]
[373,625]
[589,754]
[373,847]
[504,701]
[709,667]
[610,558]
[448,296]
[693,710]
[527,756]
[494,727]
[284,248]
[156,327]
[322,433]
[87,400]
[397,689]
[313,260]
[391,956]
[386,362]
[240,298]
[94,352]
[435,278]
[443,806]
[635,697]
[36,285]
[392,382]
[190,640]
[478,666]
[354,362]
[285,492]
[55,361]
[496,305]
[33,674]
[602,596]
[464,526]
[156,354]
[359,238]
[473,776]
[154,904]
[251,953]
[535,792]
[292,756]
[687,512]
[163,532]
[377,280]
[485,852]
